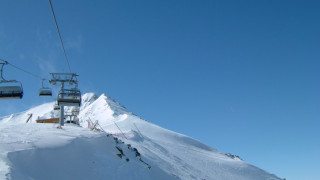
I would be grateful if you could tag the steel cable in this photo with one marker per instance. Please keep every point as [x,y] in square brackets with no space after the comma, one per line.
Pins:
[57,27]
[34,75]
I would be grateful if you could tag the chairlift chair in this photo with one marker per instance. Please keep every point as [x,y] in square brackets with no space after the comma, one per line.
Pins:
[45,91]
[56,107]
[69,97]
[75,111]
[9,89]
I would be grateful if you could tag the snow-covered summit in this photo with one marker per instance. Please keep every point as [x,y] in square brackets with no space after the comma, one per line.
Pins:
[104,109]
[126,147]
[87,99]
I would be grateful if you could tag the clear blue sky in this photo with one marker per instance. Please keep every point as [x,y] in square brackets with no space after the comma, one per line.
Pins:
[241,76]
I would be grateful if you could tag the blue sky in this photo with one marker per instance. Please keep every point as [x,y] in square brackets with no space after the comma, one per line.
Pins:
[241,76]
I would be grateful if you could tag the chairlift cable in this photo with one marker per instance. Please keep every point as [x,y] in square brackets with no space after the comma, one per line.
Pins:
[32,74]
[57,27]
[4,61]
[25,71]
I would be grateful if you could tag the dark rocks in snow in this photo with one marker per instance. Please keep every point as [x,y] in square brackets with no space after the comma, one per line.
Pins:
[149,167]
[118,141]
[120,150]
[175,176]
[119,155]
[130,148]
[137,152]
[134,150]
[233,156]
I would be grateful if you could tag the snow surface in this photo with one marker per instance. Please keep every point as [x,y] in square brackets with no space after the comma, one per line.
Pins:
[126,147]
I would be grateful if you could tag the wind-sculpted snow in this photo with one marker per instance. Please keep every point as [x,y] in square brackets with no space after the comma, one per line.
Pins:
[133,149]
[39,151]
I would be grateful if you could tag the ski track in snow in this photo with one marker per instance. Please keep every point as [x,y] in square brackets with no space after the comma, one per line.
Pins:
[41,151]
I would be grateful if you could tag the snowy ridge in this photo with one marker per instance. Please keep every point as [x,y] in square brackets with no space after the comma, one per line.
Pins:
[43,110]
[96,155]
[87,99]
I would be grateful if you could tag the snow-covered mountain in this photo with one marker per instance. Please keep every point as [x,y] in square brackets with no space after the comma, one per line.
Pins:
[122,146]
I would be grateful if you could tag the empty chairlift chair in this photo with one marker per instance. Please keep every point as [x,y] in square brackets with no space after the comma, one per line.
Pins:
[9,89]
[75,111]
[69,97]
[44,91]
[56,107]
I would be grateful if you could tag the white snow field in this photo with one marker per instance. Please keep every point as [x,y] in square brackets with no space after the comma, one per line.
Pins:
[126,147]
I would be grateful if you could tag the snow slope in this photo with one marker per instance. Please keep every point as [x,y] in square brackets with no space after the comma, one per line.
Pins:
[126,147]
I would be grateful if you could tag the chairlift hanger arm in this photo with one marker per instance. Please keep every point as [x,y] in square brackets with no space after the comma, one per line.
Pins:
[42,82]
[4,61]
[1,72]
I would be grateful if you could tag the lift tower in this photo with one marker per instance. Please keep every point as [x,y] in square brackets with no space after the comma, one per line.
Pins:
[70,96]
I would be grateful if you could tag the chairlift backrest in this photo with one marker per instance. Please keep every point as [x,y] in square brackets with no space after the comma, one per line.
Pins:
[44,91]
[75,111]
[69,97]
[10,91]
[56,107]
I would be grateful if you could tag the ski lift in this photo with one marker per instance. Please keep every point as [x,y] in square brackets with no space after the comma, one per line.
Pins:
[69,97]
[75,111]
[45,91]
[56,107]
[9,89]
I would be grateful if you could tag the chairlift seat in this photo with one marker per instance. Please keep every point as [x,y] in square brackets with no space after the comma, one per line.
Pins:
[69,97]
[56,107]
[75,111]
[45,92]
[11,92]
[9,89]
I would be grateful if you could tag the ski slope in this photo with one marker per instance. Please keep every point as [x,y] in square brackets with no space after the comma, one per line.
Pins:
[123,146]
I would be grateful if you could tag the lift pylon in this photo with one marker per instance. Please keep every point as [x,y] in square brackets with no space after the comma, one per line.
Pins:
[66,97]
